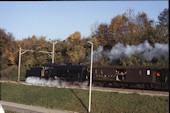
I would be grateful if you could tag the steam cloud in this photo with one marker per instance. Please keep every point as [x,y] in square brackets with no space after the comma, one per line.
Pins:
[49,82]
[148,52]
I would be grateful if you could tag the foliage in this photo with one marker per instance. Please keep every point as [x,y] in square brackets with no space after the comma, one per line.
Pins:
[7,48]
[164,18]
[76,53]
[75,35]
[162,28]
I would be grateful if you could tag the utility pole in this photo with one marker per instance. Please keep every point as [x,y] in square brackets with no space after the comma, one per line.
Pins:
[51,53]
[90,75]
[19,62]
[53,50]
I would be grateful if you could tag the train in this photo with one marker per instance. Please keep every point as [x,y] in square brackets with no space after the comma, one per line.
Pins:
[140,77]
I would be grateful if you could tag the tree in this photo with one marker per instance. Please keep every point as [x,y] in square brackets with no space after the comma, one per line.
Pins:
[162,28]
[121,29]
[130,21]
[8,48]
[75,35]
[61,52]
[102,33]
[145,25]
[164,18]
[115,27]
[76,52]
[161,35]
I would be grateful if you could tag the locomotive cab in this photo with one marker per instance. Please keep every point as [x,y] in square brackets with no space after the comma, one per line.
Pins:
[46,72]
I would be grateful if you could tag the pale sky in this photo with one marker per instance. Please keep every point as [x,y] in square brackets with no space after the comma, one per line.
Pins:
[59,19]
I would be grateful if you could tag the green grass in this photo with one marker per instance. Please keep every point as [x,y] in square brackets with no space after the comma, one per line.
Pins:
[77,100]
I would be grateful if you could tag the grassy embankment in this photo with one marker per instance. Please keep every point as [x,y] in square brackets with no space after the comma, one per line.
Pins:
[77,100]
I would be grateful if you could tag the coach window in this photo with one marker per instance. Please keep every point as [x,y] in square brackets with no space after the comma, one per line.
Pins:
[148,72]
[140,72]
[166,79]
[121,74]
[101,71]
[96,71]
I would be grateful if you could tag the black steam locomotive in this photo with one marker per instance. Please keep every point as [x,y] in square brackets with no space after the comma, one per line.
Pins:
[69,73]
[147,77]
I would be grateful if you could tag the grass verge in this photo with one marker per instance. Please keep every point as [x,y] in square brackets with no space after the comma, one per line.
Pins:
[77,99]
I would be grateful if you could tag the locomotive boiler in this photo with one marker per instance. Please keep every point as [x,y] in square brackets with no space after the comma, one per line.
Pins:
[69,73]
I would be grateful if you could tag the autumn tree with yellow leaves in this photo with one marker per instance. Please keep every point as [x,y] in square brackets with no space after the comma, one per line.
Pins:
[75,35]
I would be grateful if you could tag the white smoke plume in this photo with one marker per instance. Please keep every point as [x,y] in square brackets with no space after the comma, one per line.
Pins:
[42,81]
[97,54]
[160,50]
[148,52]
[50,82]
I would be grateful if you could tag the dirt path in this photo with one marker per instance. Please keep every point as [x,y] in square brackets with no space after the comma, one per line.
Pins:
[29,108]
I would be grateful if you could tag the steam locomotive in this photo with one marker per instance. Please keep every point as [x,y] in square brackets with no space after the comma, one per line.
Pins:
[144,77]
[69,73]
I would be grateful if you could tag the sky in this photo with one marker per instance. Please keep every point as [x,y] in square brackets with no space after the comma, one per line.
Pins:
[58,19]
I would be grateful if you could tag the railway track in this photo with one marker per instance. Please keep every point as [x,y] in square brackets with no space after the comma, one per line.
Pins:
[104,89]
